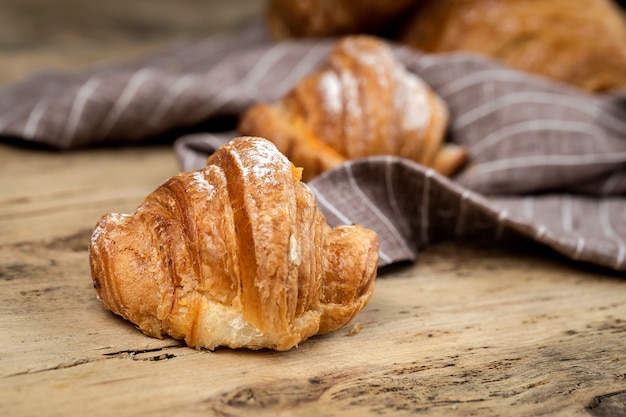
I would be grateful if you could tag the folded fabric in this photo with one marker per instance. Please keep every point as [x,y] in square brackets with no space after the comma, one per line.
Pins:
[547,161]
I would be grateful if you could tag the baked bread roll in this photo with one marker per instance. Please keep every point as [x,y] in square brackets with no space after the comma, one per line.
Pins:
[236,254]
[362,102]
[318,18]
[580,42]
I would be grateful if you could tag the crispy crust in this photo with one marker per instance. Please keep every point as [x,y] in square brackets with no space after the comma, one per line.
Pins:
[236,254]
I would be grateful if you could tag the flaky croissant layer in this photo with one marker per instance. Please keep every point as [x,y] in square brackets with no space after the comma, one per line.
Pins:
[236,254]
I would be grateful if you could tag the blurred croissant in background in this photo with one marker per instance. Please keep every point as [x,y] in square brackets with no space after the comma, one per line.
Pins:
[579,42]
[236,254]
[317,18]
[362,102]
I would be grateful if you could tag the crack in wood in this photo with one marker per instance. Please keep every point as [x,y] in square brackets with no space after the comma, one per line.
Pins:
[282,394]
[393,390]
[22,214]
[410,387]
[133,354]
[76,242]
[608,405]
[20,271]
[63,365]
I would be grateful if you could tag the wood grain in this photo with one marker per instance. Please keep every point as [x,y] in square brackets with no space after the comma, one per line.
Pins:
[467,330]
[475,330]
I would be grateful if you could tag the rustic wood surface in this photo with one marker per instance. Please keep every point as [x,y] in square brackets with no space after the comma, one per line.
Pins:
[467,330]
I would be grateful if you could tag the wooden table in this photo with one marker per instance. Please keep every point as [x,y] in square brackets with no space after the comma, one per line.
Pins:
[467,330]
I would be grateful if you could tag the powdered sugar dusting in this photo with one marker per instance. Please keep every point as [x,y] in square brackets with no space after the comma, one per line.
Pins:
[200,182]
[111,218]
[330,89]
[351,97]
[374,56]
[412,97]
[95,235]
[118,218]
[412,101]
[264,162]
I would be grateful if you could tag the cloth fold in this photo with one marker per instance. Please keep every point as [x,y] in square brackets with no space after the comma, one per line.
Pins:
[547,161]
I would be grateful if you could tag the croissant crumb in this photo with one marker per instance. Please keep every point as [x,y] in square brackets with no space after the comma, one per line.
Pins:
[236,254]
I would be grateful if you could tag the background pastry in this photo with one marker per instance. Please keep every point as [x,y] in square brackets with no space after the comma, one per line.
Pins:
[580,42]
[362,102]
[297,18]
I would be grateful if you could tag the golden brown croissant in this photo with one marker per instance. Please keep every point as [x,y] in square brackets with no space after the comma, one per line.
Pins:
[362,102]
[581,42]
[298,18]
[236,254]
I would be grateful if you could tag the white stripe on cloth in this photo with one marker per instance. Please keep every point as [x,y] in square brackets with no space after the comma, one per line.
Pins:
[74,117]
[609,232]
[507,164]
[445,59]
[425,205]
[218,70]
[168,99]
[258,70]
[528,207]
[580,245]
[391,194]
[613,181]
[566,213]
[538,125]
[480,77]
[334,210]
[586,107]
[304,66]
[32,124]
[374,209]
[342,218]
[125,98]
[568,225]
[262,67]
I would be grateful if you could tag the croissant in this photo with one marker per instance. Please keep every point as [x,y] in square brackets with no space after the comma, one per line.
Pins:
[298,18]
[236,254]
[362,102]
[580,42]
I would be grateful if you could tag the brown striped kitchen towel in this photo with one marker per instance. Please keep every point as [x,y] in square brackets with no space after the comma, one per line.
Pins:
[546,161]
